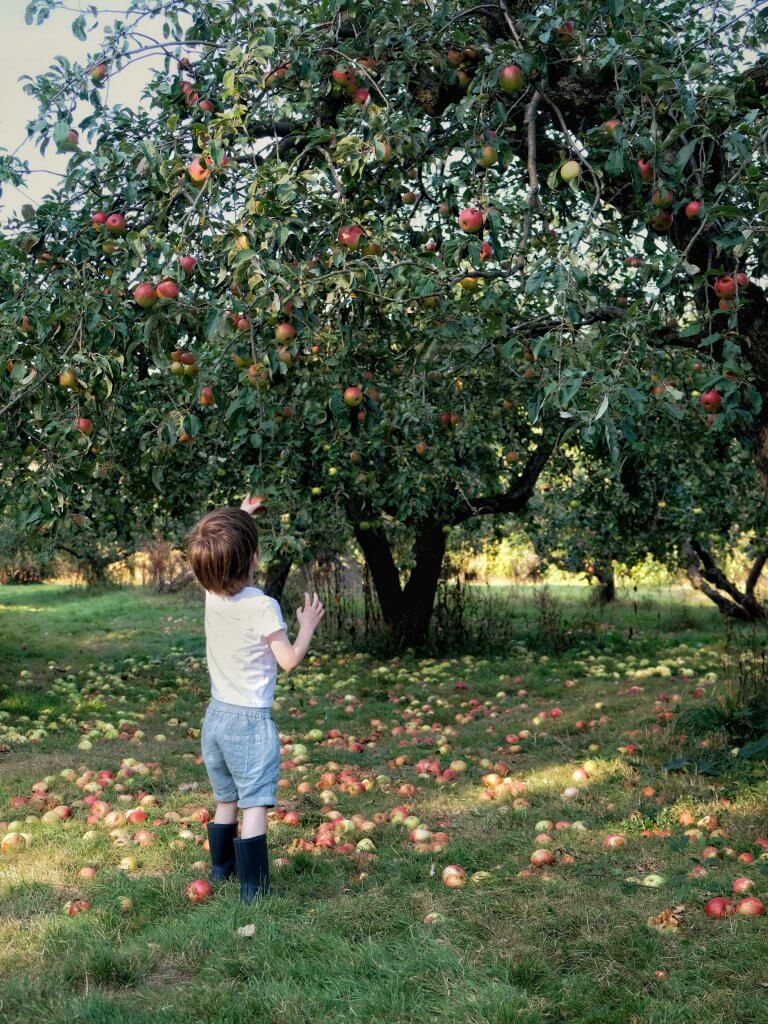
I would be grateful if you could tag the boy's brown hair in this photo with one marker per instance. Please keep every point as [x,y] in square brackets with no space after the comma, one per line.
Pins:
[220,550]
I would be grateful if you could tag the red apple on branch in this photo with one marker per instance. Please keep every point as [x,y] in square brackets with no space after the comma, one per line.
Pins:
[284,333]
[711,400]
[353,397]
[511,78]
[471,220]
[167,289]
[145,295]
[116,224]
[349,237]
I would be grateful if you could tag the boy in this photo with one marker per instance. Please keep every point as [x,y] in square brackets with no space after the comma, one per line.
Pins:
[246,640]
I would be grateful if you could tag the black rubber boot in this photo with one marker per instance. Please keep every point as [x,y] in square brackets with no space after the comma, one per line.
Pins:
[221,840]
[252,867]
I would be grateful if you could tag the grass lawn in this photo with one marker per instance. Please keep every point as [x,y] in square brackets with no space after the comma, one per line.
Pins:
[366,931]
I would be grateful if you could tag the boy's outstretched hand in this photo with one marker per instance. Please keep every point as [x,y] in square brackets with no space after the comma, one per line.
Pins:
[310,615]
[252,504]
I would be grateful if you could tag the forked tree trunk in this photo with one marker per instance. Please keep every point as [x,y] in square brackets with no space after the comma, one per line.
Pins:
[706,576]
[406,610]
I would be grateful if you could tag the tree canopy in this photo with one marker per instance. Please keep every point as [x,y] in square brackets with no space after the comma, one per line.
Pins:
[376,261]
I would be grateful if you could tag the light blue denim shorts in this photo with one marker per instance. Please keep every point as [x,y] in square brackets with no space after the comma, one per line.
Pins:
[241,751]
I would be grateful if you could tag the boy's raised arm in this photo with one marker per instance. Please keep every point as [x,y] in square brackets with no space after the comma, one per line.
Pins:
[290,655]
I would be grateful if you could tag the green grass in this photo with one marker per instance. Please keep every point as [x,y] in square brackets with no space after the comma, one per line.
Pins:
[343,939]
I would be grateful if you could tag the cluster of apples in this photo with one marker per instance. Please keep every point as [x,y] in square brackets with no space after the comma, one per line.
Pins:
[342,835]
[146,294]
[344,80]
[183,363]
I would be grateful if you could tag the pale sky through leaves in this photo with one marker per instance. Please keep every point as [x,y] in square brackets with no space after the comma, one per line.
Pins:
[29,50]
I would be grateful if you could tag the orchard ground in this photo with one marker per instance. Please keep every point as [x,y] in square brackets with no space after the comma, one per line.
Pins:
[364,929]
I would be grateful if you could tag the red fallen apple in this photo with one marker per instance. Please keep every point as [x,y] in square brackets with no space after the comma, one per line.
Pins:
[74,907]
[693,209]
[540,858]
[145,295]
[511,78]
[115,224]
[98,219]
[285,333]
[198,890]
[614,841]
[471,220]
[751,906]
[353,397]
[86,872]
[84,426]
[188,264]
[350,236]
[291,818]
[718,906]
[711,400]
[645,169]
[742,884]
[168,289]
[454,876]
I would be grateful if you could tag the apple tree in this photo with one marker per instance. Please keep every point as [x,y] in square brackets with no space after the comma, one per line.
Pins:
[375,261]
[689,506]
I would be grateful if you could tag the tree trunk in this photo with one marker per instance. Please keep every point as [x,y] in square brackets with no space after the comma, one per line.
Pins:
[420,590]
[606,591]
[407,611]
[277,573]
[381,565]
[706,576]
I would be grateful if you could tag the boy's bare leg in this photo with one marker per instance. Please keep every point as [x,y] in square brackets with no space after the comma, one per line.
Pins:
[254,822]
[226,813]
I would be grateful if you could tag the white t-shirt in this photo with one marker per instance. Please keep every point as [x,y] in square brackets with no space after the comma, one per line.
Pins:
[242,667]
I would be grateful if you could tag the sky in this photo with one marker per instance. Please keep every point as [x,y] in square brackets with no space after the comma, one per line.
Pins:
[29,50]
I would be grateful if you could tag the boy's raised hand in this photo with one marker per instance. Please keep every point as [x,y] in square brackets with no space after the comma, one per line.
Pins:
[310,615]
[252,504]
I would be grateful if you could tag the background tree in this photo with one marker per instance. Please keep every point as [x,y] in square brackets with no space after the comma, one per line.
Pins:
[696,507]
[376,263]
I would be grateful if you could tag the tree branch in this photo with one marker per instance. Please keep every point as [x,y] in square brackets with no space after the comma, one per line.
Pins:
[518,496]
